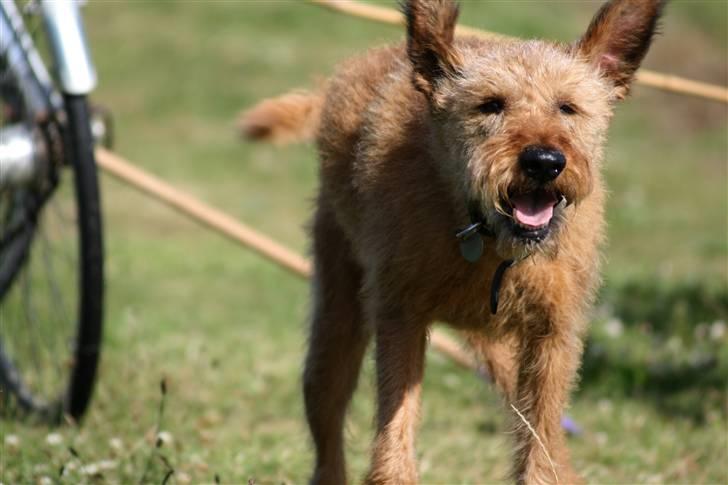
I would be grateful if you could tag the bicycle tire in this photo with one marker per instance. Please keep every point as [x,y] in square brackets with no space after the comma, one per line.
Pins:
[90,327]
[75,394]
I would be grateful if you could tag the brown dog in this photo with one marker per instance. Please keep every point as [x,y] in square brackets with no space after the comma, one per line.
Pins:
[499,142]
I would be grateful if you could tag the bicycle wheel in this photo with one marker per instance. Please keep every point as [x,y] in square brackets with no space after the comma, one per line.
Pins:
[51,264]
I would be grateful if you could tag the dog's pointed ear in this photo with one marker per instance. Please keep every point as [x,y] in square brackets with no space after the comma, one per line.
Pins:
[618,39]
[430,41]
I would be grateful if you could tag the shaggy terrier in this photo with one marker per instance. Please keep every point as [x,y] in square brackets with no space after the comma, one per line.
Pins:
[460,183]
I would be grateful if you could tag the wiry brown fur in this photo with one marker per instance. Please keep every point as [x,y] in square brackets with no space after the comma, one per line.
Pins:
[405,148]
[293,117]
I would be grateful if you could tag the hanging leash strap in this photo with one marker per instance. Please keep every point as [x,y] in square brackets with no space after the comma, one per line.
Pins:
[495,285]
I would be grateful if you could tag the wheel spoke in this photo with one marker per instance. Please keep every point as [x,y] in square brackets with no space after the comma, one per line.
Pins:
[67,253]
[31,320]
[58,309]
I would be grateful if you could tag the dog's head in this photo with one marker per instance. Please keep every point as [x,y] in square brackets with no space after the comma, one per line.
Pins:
[520,125]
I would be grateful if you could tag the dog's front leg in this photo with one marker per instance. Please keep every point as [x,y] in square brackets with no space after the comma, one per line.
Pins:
[548,360]
[400,355]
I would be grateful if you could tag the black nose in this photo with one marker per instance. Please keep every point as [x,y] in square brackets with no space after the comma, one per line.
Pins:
[542,163]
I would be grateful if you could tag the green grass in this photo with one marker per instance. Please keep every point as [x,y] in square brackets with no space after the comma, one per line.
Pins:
[225,329]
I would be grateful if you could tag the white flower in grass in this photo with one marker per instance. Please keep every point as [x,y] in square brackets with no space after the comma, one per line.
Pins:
[90,469]
[70,466]
[107,465]
[717,330]
[116,444]
[93,469]
[45,481]
[54,439]
[165,437]
[12,441]
[614,327]
[182,477]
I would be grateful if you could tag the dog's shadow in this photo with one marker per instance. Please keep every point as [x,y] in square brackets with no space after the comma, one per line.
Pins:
[664,343]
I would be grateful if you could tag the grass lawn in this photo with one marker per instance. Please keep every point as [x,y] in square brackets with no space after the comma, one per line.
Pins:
[225,330]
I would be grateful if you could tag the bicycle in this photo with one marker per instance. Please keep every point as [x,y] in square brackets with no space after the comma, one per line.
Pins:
[51,244]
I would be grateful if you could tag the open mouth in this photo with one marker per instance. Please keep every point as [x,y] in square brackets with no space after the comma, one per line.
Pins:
[533,212]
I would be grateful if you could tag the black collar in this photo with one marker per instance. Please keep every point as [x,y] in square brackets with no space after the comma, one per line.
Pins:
[477,217]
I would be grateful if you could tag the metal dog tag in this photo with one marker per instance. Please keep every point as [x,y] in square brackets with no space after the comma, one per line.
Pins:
[471,244]
[472,247]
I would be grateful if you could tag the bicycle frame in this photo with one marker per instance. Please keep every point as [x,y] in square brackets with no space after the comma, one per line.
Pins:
[67,38]
[21,152]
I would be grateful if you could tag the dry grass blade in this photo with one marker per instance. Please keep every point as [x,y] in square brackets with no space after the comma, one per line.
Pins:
[535,435]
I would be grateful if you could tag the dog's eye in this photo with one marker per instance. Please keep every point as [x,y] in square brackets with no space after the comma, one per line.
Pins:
[567,109]
[492,106]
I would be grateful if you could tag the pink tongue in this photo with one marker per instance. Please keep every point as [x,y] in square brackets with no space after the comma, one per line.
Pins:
[534,209]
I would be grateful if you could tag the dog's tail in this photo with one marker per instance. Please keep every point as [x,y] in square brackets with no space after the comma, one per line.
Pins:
[292,117]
